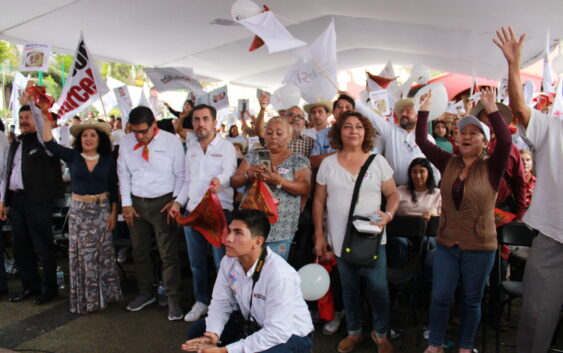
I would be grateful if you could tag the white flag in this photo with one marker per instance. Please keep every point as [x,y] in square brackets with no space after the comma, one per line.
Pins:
[83,86]
[124,102]
[557,108]
[108,100]
[306,75]
[528,90]
[219,98]
[143,102]
[502,95]
[272,32]
[547,81]
[172,78]
[18,86]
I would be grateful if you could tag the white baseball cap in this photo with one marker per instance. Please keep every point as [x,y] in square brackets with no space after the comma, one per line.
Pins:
[471,120]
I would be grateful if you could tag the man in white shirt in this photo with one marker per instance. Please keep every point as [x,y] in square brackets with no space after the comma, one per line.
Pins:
[151,171]
[543,288]
[399,146]
[253,285]
[210,162]
[318,117]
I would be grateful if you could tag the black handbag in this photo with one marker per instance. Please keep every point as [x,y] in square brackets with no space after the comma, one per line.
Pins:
[360,249]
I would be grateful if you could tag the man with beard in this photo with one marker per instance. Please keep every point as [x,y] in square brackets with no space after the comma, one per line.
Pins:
[399,146]
[210,162]
[151,171]
[30,184]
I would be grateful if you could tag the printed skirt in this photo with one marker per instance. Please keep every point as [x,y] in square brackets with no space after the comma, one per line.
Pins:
[94,281]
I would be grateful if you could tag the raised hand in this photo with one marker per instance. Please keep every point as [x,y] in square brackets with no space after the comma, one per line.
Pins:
[510,47]
[426,101]
[489,98]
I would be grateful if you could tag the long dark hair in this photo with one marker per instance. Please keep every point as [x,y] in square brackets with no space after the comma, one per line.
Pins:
[104,143]
[430,182]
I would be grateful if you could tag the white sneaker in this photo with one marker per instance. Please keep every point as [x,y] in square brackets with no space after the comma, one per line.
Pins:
[198,310]
[332,326]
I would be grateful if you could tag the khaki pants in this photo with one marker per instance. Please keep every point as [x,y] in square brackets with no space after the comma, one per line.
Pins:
[152,221]
[543,296]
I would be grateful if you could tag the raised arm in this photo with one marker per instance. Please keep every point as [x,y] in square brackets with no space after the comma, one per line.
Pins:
[435,154]
[498,159]
[512,51]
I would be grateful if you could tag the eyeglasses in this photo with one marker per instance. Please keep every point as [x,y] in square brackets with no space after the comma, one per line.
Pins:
[293,115]
[141,132]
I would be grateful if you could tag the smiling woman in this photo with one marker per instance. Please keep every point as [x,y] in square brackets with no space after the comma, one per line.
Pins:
[289,178]
[467,237]
[94,282]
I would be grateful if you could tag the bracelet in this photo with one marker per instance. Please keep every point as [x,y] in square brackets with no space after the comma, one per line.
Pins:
[390,215]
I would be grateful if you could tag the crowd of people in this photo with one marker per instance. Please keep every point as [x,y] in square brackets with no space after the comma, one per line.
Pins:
[309,158]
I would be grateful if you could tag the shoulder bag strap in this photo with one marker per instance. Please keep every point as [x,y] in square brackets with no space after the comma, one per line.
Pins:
[358,184]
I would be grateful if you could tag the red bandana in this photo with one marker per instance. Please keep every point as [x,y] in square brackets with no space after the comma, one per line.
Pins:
[145,153]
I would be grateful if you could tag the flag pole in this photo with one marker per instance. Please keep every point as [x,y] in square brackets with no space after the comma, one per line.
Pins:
[325,74]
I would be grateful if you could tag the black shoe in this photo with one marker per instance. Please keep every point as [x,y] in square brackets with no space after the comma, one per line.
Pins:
[23,295]
[44,298]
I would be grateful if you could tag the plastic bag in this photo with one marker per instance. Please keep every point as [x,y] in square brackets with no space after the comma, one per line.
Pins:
[207,218]
[259,197]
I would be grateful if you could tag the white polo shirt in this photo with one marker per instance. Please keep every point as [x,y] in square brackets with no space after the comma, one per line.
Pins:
[163,173]
[220,160]
[545,132]
[278,305]
[399,146]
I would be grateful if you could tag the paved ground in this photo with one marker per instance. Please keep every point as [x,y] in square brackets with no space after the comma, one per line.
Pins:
[51,328]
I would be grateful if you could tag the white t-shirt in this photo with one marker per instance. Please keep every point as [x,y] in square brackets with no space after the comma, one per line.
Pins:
[340,186]
[311,132]
[545,132]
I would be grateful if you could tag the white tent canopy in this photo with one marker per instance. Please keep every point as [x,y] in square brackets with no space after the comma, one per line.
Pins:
[445,35]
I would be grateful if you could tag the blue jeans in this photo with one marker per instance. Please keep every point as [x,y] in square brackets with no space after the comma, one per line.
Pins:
[295,344]
[398,250]
[377,294]
[450,266]
[281,247]
[197,252]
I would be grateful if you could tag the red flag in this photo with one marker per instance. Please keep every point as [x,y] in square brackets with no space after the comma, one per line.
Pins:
[207,218]
[259,197]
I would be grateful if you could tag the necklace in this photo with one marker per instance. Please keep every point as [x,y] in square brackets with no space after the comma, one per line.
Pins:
[90,158]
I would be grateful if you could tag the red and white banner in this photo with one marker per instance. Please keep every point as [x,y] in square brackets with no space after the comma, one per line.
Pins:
[83,86]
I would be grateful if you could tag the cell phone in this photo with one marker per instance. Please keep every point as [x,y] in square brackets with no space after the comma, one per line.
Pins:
[264,159]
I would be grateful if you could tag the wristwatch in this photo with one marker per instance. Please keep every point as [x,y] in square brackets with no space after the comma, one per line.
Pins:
[279,186]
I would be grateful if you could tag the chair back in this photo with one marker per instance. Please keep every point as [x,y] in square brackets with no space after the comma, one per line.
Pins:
[432,226]
[406,226]
[518,234]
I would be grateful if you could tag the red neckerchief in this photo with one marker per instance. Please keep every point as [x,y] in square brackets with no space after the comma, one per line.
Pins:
[145,153]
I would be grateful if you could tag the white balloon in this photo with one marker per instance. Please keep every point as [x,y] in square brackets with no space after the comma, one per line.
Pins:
[286,96]
[420,74]
[557,64]
[315,281]
[243,9]
[439,99]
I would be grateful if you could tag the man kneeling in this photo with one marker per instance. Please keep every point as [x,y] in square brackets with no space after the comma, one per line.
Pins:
[257,304]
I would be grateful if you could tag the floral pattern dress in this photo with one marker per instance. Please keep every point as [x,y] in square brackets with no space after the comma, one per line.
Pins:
[289,206]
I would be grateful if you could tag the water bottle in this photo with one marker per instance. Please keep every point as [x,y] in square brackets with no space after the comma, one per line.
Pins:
[162,300]
[60,278]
